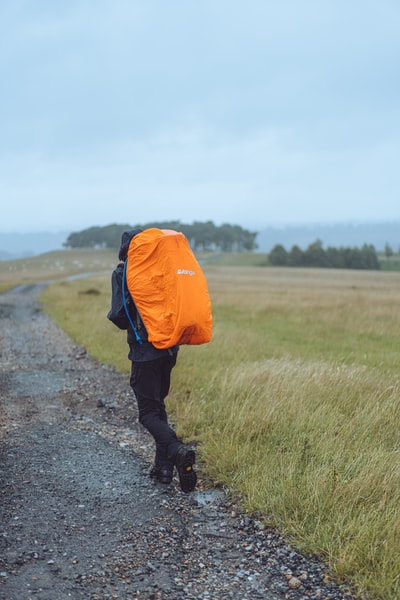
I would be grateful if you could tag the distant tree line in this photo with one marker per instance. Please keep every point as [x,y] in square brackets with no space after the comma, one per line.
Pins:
[316,256]
[201,236]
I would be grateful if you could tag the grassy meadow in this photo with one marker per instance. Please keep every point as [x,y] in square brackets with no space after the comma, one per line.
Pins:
[295,403]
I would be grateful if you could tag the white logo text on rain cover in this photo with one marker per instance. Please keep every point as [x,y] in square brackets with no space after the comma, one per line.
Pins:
[185,272]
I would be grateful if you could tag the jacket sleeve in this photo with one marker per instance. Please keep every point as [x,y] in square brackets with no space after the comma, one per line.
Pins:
[117,314]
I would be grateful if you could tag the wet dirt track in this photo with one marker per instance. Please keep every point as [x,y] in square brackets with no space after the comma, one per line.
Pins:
[80,517]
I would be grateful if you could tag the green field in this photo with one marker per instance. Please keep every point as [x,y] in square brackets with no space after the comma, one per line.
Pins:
[295,403]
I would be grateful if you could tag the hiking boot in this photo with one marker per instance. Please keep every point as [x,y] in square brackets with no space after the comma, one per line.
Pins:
[162,474]
[184,461]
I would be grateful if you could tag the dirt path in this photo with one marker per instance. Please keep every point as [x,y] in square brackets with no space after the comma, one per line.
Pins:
[80,517]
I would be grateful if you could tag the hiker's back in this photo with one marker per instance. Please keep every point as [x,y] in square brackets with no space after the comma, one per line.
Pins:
[168,288]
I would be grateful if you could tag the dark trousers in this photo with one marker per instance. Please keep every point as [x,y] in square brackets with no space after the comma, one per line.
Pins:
[150,381]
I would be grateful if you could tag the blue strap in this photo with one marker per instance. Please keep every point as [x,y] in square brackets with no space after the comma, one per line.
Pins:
[135,331]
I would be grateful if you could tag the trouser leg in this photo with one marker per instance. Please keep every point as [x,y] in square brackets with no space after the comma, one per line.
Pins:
[161,447]
[151,381]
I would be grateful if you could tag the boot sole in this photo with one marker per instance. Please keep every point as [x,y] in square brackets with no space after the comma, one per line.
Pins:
[187,475]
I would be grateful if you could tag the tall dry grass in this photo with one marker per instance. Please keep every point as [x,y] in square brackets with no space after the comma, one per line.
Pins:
[295,403]
[298,410]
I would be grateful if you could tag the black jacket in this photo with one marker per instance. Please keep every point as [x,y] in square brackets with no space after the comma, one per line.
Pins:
[141,352]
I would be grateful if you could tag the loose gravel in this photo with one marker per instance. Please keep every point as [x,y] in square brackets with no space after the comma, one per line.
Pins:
[80,517]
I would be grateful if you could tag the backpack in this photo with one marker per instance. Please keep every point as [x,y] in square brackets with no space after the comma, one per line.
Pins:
[117,313]
[121,311]
[168,289]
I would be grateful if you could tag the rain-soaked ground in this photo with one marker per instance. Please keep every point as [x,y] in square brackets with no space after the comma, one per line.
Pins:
[80,518]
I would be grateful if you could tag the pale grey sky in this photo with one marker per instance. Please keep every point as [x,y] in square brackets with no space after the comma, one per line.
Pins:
[255,113]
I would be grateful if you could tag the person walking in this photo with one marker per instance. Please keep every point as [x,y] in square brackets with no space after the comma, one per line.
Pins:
[150,380]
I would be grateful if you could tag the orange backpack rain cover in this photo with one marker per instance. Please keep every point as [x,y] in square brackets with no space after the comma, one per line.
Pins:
[169,289]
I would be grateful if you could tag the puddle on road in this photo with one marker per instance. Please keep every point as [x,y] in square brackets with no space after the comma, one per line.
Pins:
[208,497]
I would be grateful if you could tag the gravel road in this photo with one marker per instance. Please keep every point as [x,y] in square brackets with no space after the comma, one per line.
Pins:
[80,518]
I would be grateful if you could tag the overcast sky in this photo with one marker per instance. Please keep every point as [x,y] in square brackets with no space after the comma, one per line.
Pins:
[254,113]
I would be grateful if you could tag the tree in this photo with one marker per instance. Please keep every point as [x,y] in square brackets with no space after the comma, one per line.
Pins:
[315,256]
[296,257]
[388,250]
[370,258]
[278,256]
[226,237]
[201,236]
